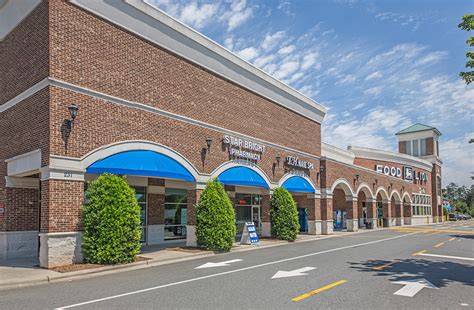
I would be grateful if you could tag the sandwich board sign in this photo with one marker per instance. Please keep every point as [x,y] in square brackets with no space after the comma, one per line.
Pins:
[249,235]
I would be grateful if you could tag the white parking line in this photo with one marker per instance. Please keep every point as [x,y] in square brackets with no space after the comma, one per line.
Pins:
[445,256]
[232,271]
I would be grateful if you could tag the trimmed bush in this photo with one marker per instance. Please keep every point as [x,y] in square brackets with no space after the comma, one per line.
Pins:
[111,222]
[215,218]
[284,215]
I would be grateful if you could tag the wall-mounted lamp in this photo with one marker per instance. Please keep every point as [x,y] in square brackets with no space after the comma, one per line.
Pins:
[278,158]
[357,177]
[209,144]
[321,168]
[73,108]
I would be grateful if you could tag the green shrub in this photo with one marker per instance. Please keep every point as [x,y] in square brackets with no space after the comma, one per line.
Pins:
[284,215]
[111,221]
[215,218]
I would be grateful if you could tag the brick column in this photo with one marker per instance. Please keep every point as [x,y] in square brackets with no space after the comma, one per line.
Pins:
[387,213]
[399,214]
[371,212]
[407,213]
[61,236]
[193,198]
[352,221]
[327,223]
[266,226]
[314,215]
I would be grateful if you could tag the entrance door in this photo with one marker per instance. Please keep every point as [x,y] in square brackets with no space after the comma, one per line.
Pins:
[339,219]
[303,219]
[247,209]
[379,214]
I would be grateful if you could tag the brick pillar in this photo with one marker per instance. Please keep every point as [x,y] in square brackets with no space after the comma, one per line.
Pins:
[399,213]
[327,222]
[352,221]
[387,213]
[371,206]
[407,213]
[314,215]
[440,214]
[193,198]
[61,236]
[265,209]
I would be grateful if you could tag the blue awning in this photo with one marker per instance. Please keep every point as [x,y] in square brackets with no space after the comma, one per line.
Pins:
[242,176]
[141,163]
[298,184]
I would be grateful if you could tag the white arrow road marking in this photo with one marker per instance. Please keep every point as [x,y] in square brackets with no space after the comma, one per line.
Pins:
[412,287]
[293,273]
[221,264]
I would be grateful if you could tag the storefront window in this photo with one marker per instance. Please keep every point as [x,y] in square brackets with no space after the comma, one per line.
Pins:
[176,213]
[422,147]
[247,209]
[408,147]
[140,194]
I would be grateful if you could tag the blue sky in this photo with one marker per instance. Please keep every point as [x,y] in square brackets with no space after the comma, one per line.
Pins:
[378,66]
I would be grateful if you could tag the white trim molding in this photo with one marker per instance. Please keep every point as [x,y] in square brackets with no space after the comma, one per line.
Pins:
[364,152]
[19,182]
[153,25]
[383,192]
[367,187]
[12,12]
[345,186]
[24,164]
[337,154]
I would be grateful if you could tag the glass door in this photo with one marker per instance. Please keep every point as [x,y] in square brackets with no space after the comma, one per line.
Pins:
[176,213]
[247,209]
[140,194]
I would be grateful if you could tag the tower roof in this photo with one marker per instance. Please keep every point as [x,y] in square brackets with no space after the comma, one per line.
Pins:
[418,127]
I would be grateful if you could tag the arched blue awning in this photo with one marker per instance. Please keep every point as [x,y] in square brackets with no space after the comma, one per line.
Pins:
[298,184]
[242,176]
[141,163]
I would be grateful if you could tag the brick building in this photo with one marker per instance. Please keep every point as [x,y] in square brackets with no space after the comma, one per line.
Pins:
[89,87]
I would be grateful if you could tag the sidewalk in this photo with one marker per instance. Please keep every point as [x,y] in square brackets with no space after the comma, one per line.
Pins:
[26,272]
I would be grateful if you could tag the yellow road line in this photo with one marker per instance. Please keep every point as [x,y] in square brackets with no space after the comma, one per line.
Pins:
[460,232]
[386,265]
[452,239]
[319,290]
[439,244]
[414,254]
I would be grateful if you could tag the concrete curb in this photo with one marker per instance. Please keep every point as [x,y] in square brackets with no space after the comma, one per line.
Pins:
[89,273]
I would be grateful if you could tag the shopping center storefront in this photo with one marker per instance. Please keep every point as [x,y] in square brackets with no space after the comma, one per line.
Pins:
[146,97]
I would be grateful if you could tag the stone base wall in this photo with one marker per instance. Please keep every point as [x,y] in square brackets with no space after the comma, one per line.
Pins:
[156,234]
[18,244]
[60,249]
[352,225]
[315,227]
[191,239]
[327,227]
[422,220]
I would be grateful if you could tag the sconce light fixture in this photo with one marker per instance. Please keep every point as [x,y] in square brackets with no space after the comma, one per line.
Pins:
[73,108]
[278,158]
[209,144]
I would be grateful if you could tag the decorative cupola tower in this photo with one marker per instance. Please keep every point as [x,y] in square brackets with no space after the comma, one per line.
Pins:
[422,141]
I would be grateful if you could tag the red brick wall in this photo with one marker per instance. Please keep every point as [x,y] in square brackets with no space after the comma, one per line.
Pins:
[156,209]
[430,146]
[402,147]
[24,54]
[61,204]
[22,207]
[90,52]
[23,128]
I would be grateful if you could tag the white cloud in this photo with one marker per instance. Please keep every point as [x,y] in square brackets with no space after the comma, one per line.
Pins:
[248,53]
[374,91]
[432,58]
[286,50]
[238,14]
[374,76]
[309,60]
[271,40]
[348,79]
[286,69]
[458,160]
[285,7]
[308,90]
[198,16]
[229,43]
[264,60]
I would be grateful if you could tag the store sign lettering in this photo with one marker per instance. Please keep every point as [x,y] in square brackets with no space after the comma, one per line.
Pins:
[242,148]
[408,173]
[299,163]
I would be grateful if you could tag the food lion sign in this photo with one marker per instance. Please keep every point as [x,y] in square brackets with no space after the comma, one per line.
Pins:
[407,174]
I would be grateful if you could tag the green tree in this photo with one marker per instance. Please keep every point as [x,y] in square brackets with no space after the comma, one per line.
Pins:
[467,23]
[284,215]
[460,197]
[215,218]
[111,221]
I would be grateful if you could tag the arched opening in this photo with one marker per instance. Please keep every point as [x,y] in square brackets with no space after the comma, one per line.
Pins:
[365,206]
[302,190]
[383,208]
[407,209]
[344,207]
[396,209]
[249,190]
